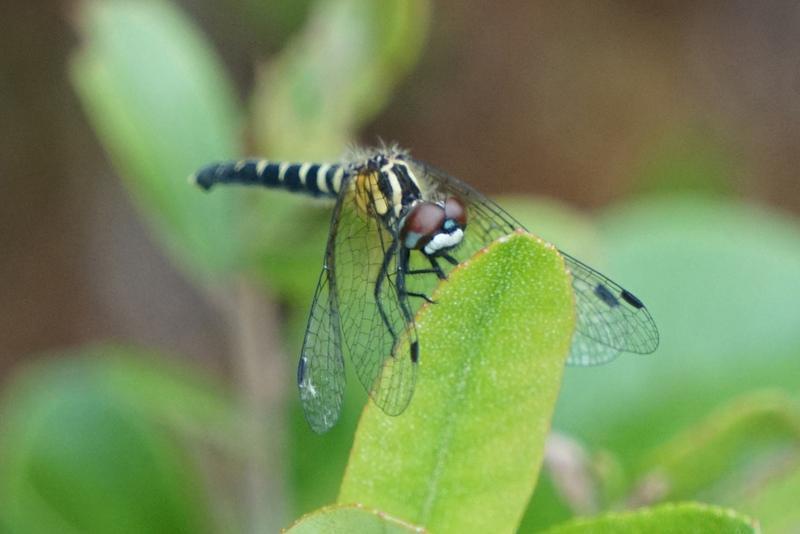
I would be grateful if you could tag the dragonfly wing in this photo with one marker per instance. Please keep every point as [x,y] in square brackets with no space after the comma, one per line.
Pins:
[608,317]
[320,371]
[377,322]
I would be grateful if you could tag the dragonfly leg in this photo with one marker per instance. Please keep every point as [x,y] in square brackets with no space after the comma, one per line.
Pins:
[422,296]
[379,281]
[435,268]
[399,277]
[401,284]
[450,259]
[421,271]
[438,268]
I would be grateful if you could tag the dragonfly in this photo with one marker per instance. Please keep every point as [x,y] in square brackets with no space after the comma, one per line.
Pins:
[398,227]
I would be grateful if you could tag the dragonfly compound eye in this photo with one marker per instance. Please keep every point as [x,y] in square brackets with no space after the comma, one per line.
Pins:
[454,210]
[420,225]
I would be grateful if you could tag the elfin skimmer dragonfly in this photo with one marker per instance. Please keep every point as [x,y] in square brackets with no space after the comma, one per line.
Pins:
[398,227]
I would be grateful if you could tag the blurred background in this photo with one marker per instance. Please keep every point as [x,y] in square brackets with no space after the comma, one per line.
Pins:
[149,333]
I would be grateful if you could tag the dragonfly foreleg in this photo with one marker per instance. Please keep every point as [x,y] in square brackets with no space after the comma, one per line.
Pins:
[450,259]
[438,268]
[400,281]
[379,281]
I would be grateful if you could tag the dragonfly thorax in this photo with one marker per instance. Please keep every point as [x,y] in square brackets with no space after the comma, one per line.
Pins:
[434,227]
[384,186]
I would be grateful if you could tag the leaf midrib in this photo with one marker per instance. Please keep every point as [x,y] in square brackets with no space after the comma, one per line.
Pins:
[486,317]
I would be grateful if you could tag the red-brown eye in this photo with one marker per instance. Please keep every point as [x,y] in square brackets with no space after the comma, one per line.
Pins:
[424,220]
[454,210]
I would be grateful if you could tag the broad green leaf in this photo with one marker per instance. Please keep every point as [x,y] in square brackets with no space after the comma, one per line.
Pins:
[666,519]
[162,106]
[350,518]
[78,456]
[318,462]
[466,453]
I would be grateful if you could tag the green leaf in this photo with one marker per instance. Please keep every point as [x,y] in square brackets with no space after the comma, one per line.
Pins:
[170,394]
[731,452]
[162,106]
[78,456]
[668,518]
[745,454]
[336,74]
[466,453]
[350,518]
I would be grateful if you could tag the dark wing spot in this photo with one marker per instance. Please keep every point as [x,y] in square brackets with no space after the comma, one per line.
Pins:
[606,296]
[301,370]
[415,352]
[631,299]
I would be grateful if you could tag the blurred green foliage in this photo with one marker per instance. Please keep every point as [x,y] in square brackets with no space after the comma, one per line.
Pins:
[111,439]
[90,444]
[664,519]
[155,93]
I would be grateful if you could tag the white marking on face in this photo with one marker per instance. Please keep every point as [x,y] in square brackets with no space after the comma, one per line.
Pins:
[260,166]
[303,171]
[239,165]
[282,171]
[444,241]
[322,185]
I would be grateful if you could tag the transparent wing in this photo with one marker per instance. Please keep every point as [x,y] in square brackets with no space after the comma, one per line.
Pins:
[320,371]
[377,325]
[610,319]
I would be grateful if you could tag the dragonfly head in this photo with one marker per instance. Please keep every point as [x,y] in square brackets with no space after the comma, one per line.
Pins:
[434,227]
